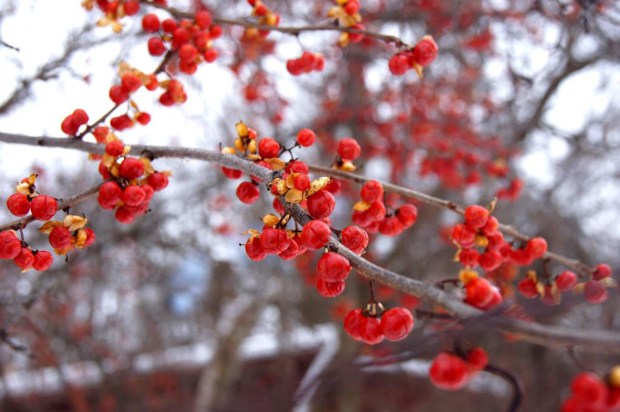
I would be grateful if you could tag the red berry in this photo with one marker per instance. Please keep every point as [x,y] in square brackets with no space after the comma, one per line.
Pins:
[527,287]
[352,323]
[156,47]
[10,245]
[536,247]
[566,280]
[469,257]
[371,331]
[589,387]
[254,250]
[18,204]
[118,94]
[448,371]
[306,137]
[42,260]
[601,271]
[274,240]
[476,216]
[372,191]
[329,289]
[133,195]
[203,19]
[169,25]
[125,215]
[490,260]
[231,173]
[354,238]
[321,204]
[247,192]
[80,117]
[333,267]
[315,234]
[143,118]
[150,23]
[188,53]
[297,166]
[158,181]
[131,7]
[115,148]
[463,235]
[390,226]
[60,238]
[43,207]
[292,251]
[268,148]
[477,359]
[594,291]
[399,64]
[24,259]
[210,55]
[425,51]
[302,182]
[407,214]
[396,323]
[352,7]
[130,82]
[131,168]
[376,211]
[349,149]
[481,294]
[121,122]
[109,195]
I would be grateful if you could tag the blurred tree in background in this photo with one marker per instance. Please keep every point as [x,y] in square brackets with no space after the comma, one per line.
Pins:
[168,312]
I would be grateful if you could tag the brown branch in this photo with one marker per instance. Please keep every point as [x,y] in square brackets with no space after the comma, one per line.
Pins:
[446,204]
[546,335]
[62,204]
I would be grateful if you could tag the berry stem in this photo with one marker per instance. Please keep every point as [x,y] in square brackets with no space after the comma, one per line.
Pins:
[517,387]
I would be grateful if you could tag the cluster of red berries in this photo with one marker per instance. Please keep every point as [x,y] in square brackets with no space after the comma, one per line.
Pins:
[479,291]
[274,240]
[116,9]
[26,199]
[192,40]
[371,213]
[595,289]
[265,16]
[550,290]
[307,63]
[420,56]
[72,123]
[131,182]
[22,255]
[591,393]
[373,324]
[69,234]
[346,13]
[482,230]
[451,372]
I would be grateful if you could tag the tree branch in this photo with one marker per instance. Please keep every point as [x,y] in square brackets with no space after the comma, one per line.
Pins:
[587,340]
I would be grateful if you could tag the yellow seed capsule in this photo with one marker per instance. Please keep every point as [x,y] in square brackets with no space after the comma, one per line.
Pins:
[228,150]
[239,145]
[614,376]
[242,129]
[467,275]
[271,220]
